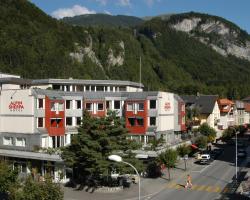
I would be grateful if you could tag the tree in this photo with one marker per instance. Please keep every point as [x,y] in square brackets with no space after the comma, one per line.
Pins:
[8,177]
[208,131]
[29,189]
[192,116]
[169,159]
[98,138]
[228,133]
[183,150]
[201,142]
[32,189]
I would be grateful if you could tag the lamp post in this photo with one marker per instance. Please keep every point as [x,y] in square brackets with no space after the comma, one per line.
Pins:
[117,158]
[236,156]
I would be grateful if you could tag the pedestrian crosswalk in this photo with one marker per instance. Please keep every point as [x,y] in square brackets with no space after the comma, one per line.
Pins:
[196,187]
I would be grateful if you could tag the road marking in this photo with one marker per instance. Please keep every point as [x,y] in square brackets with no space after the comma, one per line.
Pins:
[171,185]
[206,188]
[209,189]
[202,187]
[217,189]
[194,187]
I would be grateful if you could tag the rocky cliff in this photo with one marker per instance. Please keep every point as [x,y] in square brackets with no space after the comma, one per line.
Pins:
[218,34]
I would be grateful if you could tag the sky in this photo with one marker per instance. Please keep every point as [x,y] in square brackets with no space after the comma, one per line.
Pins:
[236,11]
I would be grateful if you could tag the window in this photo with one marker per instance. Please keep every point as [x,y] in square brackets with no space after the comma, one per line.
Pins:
[40,103]
[40,122]
[131,121]
[183,108]
[140,106]
[7,140]
[100,106]
[99,88]
[152,121]
[68,104]
[130,107]
[183,120]
[56,106]
[60,106]
[57,122]
[57,141]
[152,104]
[67,88]
[122,88]
[78,104]
[21,142]
[117,104]
[56,87]
[89,106]
[140,121]
[68,121]
[108,105]
[53,106]
[78,121]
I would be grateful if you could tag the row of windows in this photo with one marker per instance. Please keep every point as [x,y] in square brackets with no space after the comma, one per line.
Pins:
[69,104]
[138,121]
[21,142]
[100,106]
[57,122]
[88,88]
[140,106]
[135,106]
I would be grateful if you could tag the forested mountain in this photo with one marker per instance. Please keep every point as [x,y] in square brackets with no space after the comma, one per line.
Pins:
[103,20]
[184,53]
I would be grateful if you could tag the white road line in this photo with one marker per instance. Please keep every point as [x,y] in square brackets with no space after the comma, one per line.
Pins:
[203,169]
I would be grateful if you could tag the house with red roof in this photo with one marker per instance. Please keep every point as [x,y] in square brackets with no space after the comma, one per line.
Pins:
[247,112]
[227,113]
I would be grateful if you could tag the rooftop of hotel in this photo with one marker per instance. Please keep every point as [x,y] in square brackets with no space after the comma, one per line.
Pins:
[70,81]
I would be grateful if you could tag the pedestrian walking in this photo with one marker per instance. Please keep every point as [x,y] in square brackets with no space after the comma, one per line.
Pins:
[189,182]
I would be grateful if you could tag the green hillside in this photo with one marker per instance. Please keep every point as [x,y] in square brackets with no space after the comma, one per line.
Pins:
[103,20]
[35,45]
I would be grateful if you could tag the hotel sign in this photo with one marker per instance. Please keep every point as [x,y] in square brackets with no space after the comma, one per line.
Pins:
[16,106]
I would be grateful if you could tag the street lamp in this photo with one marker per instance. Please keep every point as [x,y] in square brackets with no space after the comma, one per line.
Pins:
[117,158]
[236,156]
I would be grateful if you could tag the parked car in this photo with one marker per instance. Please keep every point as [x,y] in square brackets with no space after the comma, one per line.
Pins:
[241,153]
[205,159]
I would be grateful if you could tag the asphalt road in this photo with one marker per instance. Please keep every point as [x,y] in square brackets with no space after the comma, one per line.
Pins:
[209,183]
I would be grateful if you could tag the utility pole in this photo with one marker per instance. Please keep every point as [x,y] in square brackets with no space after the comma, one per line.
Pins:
[140,72]
[236,157]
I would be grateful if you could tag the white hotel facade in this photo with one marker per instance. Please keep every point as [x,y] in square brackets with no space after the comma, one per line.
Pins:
[33,119]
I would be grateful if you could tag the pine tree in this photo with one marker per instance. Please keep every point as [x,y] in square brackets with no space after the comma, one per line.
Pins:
[98,138]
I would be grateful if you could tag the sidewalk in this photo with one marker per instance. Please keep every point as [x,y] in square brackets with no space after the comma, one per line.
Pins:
[149,186]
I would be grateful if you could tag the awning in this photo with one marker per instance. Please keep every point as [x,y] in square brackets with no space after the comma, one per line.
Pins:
[30,155]
[194,146]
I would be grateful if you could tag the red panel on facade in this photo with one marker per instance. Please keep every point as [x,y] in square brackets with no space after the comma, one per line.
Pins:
[54,120]
[134,118]
[182,111]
